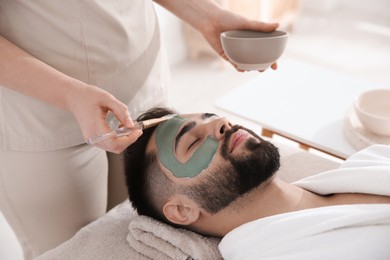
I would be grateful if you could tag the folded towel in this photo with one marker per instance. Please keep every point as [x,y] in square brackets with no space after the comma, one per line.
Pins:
[158,240]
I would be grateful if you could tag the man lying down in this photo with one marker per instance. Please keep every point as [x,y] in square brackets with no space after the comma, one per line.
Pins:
[200,172]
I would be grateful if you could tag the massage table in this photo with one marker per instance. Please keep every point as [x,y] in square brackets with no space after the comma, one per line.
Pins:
[122,234]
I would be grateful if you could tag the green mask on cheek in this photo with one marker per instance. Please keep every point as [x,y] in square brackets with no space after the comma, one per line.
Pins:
[165,141]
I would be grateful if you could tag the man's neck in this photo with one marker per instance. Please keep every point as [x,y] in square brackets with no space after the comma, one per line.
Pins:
[275,197]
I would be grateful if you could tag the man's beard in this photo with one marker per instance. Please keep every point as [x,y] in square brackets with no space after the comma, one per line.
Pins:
[239,175]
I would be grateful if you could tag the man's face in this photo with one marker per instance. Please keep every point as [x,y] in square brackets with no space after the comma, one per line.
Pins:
[212,161]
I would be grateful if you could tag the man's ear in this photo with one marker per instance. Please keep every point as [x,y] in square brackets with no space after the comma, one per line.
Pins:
[181,210]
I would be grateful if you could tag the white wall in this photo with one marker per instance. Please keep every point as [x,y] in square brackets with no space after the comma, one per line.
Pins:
[174,43]
[368,7]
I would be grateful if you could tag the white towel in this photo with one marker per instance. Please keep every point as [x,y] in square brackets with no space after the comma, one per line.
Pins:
[341,232]
[157,240]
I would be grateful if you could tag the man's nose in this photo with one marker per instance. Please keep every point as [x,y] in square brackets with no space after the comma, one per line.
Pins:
[220,128]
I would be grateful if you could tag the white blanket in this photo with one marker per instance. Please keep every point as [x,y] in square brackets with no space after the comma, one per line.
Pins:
[337,232]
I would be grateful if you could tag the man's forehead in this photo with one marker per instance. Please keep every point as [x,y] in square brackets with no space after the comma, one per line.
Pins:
[152,147]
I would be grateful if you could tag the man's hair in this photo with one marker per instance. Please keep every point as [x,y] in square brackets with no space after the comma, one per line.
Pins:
[147,185]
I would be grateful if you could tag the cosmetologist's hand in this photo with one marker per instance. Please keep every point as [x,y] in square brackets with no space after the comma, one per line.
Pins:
[91,105]
[225,21]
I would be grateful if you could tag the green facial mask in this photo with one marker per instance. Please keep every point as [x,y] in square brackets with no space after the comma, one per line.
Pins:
[165,141]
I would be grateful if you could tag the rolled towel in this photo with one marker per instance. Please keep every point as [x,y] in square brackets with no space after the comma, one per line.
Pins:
[158,240]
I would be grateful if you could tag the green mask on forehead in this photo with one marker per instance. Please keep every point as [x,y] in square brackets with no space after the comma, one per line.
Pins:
[165,141]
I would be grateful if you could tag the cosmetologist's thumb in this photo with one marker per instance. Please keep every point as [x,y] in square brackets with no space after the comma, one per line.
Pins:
[264,27]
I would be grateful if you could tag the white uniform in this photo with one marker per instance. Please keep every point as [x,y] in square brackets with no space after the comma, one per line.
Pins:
[51,183]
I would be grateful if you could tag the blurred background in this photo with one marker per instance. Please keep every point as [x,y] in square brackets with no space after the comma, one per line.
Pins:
[351,37]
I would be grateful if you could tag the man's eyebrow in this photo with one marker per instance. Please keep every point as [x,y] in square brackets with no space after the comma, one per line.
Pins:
[189,126]
[184,130]
[207,115]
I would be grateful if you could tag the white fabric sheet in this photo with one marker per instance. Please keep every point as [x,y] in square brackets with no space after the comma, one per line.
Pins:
[337,232]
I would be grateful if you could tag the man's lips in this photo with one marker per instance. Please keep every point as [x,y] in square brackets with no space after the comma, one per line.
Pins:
[237,138]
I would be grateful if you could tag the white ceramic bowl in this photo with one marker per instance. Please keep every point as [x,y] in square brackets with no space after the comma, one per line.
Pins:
[373,110]
[252,50]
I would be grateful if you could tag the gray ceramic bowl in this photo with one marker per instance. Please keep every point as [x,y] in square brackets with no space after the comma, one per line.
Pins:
[373,110]
[252,50]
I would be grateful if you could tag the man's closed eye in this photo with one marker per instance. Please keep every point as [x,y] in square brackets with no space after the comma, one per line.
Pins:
[193,143]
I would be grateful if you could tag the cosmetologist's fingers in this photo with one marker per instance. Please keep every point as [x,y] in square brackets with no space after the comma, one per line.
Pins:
[121,112]
[119,144]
